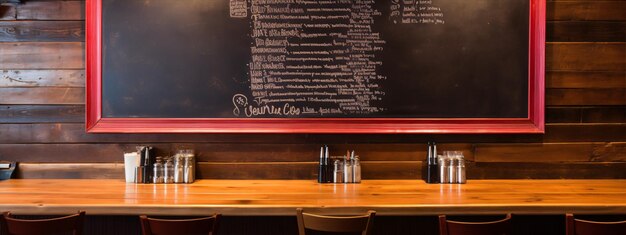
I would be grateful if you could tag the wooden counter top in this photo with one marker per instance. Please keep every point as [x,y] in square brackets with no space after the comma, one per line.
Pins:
[281,197]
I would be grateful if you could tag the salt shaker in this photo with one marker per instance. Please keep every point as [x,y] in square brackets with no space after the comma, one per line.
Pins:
[460,170]
[444,169]
[356,172]
[452,169]
[158,171]
[190,168]
[179,169]
[169,171]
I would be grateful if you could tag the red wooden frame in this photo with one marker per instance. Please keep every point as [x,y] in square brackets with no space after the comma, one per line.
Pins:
[95,123]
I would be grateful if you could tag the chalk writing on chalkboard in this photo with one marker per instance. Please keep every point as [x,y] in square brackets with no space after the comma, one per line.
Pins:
[318,57]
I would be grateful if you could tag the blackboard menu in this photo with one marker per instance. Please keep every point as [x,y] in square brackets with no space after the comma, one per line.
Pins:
[315,58]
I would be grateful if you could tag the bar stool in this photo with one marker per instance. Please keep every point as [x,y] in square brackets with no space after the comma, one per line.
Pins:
[63,225]
[499,227]
[339,224]
[585,227]
[205,225]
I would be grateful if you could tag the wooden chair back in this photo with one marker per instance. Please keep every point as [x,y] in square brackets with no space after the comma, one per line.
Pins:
[72,224]
[338,224]
[585,227]
[499,227]
[199,226]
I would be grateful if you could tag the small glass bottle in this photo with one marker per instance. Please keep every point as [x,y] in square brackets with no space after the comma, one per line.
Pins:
[357,170]
[462,177]
[169,171]
[444,175]
[158,171]
[190,167]
[179,169]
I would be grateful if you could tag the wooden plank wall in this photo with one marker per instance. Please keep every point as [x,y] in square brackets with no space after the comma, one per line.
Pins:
[42,94]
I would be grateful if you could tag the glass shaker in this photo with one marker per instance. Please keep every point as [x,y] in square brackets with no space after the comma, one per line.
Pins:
[190,166]
[158,171]
[169,171]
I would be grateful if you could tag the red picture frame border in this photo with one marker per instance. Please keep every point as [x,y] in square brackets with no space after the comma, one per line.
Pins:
[535,123]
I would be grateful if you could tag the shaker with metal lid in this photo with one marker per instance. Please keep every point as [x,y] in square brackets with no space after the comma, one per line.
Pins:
[179,168]
[169,171]
[444,169]
[460,170]
[158,171]
[190,167]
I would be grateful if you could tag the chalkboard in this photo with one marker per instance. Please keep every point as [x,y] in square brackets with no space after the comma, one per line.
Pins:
[317,60]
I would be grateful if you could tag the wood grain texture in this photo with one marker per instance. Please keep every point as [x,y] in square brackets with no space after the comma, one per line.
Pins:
[586,114]
[75,133]
[51,10]
[585,31]
[42,55]
[555,152]
[552,170]
[7,11]
[42,78]
[585,10]
[42,113]
[605,56]
[51,95]
[42,31]
[281,197]
[596,96]
[589,79]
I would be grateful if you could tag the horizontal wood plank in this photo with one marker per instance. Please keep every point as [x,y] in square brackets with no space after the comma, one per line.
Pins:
[583,56]
[553,170]
[41,55]
[587,114]
[75,133]
[555,152]
[51,10]
[42,78]
[42,31]
[7,11]
[218,152]
[604,114]
[69,171]
[608,96]
[586,10]
[585,79]
[585,31]
[52,95]
[42,113]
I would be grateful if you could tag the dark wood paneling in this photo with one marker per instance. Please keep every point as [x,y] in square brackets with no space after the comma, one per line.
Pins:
[585,31]
[7,12]
[592,79]
[557,152]
[51,10]
[553,170]
[589,114]
[39,31]
[604,114]
[75,133]
[42,55]
[48,95]
[42,78]
[608,96]
[69,171]
[42,113]
[598,56]
[589,10]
